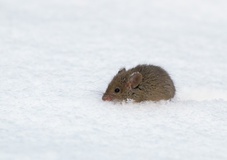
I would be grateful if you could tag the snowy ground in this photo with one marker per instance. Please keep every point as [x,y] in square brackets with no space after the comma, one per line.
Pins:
[57,57]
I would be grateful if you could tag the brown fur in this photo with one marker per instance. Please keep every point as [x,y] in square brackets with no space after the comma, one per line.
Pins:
[142,83]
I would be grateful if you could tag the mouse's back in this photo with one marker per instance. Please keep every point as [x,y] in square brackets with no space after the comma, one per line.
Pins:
[156,84]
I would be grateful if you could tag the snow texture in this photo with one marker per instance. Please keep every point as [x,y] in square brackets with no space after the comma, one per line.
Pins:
[57,58]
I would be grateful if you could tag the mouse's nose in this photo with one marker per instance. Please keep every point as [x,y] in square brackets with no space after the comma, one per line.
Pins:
[107,97]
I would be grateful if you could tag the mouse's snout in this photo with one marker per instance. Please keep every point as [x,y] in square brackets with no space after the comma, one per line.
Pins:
[106,97]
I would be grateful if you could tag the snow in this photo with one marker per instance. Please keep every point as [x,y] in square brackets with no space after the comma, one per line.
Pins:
[57,58]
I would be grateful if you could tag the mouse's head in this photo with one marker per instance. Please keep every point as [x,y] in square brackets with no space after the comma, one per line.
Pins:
[121,85]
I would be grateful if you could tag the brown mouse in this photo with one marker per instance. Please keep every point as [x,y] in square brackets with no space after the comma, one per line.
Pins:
[141,83]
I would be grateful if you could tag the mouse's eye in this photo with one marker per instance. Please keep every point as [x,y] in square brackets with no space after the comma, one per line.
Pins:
[117,90]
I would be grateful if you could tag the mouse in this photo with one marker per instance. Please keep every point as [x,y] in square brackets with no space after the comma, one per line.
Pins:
[142,83]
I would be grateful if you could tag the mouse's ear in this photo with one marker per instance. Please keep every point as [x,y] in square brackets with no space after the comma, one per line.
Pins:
[134,80]
[121,70]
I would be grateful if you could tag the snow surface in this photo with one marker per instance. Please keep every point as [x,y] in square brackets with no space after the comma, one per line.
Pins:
[57,57]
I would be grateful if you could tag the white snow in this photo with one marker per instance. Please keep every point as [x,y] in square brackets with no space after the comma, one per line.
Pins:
[57,58]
